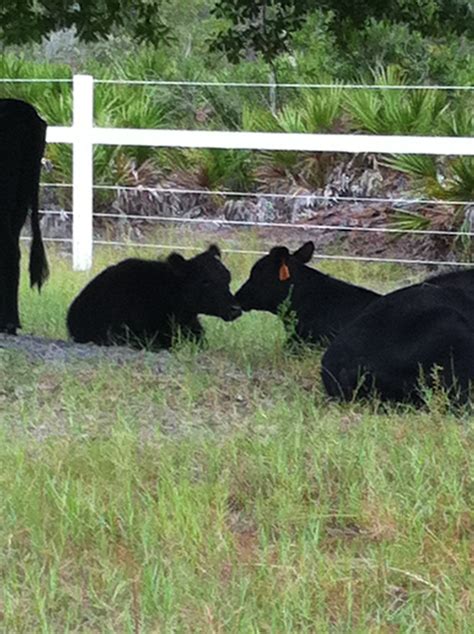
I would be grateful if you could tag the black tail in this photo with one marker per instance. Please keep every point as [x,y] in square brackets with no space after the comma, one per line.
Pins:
[39,270]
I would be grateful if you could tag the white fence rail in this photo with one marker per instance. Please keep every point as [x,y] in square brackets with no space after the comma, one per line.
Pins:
[83,135]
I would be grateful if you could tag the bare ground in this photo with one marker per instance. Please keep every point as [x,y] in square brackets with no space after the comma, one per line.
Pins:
[60,351]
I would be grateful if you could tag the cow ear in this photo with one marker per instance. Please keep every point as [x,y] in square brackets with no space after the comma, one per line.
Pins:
[304,253]
[281,254]
[215,251]
[177,263]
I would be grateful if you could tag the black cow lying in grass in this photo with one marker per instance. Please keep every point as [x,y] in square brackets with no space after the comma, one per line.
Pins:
[145,303]
[22,141]
[321,304]
[423,331]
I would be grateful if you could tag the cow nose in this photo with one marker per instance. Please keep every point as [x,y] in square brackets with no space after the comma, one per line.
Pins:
[239,296]
[235,311]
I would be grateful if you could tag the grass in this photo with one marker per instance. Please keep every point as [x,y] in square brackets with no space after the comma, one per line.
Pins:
[225,494]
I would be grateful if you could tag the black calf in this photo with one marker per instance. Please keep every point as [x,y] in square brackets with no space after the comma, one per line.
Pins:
[423,330]
[322,304]
[22,141]
[144,303]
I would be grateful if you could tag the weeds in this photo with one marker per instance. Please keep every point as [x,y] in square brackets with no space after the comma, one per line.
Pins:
[225,493]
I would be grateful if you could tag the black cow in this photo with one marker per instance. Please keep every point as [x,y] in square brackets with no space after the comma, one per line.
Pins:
[422,331]
[321,304]
[144,303]
[22,142]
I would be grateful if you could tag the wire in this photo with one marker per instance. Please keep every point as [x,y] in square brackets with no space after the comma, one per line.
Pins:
[235,84]
[285,225]
[318,256]
[335,198]
[56,185]
[278,225]
[321,256]
[219,192]
[8,80]
[28,239]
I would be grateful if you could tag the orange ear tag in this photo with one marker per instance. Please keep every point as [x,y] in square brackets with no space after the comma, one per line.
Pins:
[284,273]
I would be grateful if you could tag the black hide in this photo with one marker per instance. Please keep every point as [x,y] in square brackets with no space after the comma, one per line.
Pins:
[22,142]
[321,304]
[144,303]
[403,336]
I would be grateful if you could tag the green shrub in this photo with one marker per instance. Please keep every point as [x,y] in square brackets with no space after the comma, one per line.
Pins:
[315,58]
[381,43]
[395,111]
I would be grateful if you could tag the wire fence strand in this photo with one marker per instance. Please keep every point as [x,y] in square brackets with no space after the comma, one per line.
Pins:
[305,196]
[278,225]
[236,84]
[300,195]
[243,84]
[24,80]
[319,256]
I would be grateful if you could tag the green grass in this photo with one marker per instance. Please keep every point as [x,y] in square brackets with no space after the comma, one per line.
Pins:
[225,494]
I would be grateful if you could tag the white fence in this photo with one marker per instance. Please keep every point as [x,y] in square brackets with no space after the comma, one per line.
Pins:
[83,135]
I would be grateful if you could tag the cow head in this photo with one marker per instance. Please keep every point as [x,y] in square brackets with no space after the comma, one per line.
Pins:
[271,278]
[204,283]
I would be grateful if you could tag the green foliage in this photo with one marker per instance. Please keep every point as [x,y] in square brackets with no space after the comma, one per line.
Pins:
[260,26]
[400,52]
[22,22]
[459,184]
[321,108]
[316,110]
[268,27]
[219,490]
[459,121]
[427,16]
[228,169]
[382,43]
[451,60]
[455,182]
[396,111]
[417,165]
[315,55]
[45,94]
[255,119]
[409,221]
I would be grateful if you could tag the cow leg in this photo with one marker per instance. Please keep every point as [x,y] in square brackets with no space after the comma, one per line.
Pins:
[13,211]
[9,280]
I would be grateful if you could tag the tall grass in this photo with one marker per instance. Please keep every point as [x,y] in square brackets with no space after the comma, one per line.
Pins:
[223,492]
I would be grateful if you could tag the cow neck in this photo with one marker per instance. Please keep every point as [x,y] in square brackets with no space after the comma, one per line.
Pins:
[301,280]
[309,282]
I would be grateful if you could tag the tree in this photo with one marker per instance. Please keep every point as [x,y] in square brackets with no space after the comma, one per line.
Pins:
[264,25]
[29,20]
[430,17]
[267,26]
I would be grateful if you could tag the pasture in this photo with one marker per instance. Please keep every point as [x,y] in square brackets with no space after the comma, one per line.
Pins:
[222,491]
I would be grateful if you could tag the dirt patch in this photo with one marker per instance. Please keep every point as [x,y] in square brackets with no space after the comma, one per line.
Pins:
[60,351]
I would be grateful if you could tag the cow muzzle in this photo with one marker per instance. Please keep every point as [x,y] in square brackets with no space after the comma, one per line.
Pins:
[234,312]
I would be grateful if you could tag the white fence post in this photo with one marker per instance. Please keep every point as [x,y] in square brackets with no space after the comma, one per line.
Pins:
[82,171]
